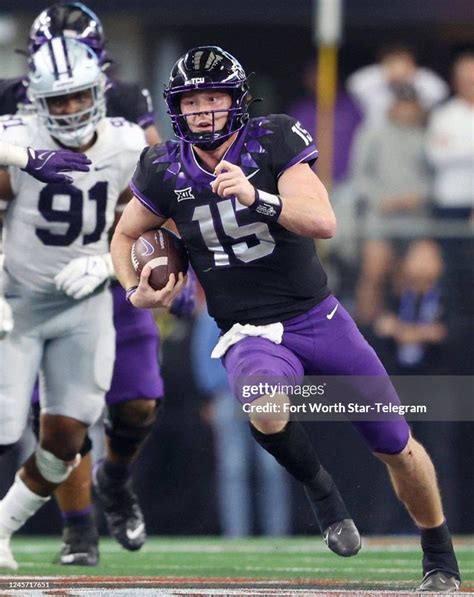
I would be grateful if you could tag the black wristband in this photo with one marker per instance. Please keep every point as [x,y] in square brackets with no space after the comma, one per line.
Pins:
[129,292]
[267,206]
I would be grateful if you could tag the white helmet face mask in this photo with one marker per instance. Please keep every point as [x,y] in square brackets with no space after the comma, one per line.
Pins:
[63,66]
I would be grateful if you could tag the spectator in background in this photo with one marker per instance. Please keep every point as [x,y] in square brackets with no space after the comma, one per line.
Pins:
[237,454]
[391,176]
[372,87]
[450,145]
[450,151]
[414,325]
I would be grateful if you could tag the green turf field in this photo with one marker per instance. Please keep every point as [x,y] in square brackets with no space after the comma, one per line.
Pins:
[384,563]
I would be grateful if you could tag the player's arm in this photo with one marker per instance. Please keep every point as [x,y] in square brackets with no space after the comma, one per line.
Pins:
[306,209]
[45,165]
[302,205]
[137,219]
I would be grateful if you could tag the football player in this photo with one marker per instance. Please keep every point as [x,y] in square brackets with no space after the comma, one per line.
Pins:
[48,166]
[248,206]
[63,323]
[133,396]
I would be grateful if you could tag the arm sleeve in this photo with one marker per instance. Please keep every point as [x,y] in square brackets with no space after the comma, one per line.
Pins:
[147,185]
[291,144]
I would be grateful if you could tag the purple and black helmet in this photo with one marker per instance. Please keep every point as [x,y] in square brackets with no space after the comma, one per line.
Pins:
[204,68]
[68,19]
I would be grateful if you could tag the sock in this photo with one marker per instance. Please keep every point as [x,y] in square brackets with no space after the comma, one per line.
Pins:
[116,470]
[292,449]
[325,499]
[19,504]
[438,551]
[78,518]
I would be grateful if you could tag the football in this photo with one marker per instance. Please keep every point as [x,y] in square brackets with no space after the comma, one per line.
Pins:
[164,252]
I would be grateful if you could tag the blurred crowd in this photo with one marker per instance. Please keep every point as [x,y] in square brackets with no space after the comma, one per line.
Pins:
[403,191]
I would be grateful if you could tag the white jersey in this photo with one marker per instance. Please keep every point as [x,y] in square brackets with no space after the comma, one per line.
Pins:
[48,225]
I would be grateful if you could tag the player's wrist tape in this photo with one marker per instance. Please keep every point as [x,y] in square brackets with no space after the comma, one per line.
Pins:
[267,206]
[129,292]
[13,155]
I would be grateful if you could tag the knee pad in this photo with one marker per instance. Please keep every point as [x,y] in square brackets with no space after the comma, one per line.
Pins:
[125,438]
[5,448]
[35,426]
[52,468]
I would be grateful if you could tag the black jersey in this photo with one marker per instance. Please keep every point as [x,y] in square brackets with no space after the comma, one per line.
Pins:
[251,272]
[127,100]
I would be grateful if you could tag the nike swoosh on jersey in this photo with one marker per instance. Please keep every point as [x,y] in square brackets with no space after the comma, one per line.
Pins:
[331,315]
[253,174]
[97,168]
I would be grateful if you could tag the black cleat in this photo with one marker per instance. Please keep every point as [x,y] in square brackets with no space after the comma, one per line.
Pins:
[122,511]
[339,531]
[80,547]
[439,582]
[343,538]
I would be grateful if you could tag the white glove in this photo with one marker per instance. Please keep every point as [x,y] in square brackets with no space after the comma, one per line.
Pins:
[6,318]
[83,275]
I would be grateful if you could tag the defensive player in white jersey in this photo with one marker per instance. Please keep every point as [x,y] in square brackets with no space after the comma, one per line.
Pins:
[44,165]
[63,322]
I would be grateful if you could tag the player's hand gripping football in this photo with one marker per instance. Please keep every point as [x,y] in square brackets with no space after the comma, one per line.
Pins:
[230,180]
[145,297]
[47,165]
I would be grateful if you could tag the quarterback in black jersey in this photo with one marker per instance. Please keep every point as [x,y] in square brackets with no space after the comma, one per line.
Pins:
[247,206]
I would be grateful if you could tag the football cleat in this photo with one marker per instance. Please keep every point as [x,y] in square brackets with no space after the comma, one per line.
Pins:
[6,557]
[122,512]
[343,538]
[436,581]
[80,547]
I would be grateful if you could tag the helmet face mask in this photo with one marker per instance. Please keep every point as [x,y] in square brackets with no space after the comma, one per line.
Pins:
[208,68]
[65,67]
[71,19]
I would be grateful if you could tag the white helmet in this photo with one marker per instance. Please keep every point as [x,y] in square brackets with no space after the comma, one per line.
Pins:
[63,66]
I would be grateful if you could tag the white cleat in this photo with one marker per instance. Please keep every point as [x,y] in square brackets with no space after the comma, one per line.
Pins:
[6,557]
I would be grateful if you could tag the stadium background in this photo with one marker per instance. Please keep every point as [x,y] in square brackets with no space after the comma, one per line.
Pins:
[176,477]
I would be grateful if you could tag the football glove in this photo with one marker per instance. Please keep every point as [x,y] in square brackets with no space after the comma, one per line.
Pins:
[183,304]
[47,165]
[83,275]
[6,318]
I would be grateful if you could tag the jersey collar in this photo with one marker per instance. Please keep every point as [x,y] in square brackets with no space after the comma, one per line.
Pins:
[197,172]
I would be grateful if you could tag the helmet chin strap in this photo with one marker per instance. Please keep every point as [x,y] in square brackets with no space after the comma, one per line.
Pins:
[210,145]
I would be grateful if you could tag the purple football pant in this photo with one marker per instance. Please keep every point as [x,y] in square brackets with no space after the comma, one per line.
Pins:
[136,370]
[314,344]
